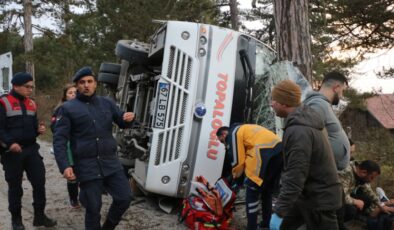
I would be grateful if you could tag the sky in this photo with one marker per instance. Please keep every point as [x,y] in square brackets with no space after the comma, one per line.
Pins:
[364,78]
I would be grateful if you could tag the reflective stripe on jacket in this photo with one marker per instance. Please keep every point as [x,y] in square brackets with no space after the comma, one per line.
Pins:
[13,107]
[251,146]
[18,120]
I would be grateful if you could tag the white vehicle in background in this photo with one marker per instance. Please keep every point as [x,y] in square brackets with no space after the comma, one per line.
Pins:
[5,72]
[187,82]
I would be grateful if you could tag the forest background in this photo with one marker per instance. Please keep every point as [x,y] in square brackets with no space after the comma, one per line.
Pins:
[86,31]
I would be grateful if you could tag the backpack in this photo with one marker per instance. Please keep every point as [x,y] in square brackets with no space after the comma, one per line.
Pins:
[202,213]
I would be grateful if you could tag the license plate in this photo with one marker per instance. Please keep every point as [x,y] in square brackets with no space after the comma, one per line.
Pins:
[161,107]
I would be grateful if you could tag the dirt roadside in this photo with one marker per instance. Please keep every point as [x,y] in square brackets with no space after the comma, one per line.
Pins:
[144,213]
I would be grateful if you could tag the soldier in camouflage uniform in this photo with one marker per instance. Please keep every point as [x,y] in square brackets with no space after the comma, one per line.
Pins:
[359,196]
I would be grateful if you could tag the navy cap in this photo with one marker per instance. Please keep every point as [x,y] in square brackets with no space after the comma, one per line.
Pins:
[84,71]
[21,78]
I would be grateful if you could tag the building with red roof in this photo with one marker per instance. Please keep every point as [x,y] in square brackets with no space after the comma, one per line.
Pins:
[381,107]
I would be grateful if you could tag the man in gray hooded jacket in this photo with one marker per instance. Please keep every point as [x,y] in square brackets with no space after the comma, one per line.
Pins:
[333,85]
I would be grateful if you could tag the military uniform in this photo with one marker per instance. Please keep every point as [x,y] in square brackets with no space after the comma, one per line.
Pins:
[86,122]
[353,188]
[18,124]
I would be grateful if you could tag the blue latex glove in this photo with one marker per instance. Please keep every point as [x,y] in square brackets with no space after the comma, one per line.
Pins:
[275,222]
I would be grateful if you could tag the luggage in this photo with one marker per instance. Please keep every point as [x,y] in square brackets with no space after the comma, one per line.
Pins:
[208,207]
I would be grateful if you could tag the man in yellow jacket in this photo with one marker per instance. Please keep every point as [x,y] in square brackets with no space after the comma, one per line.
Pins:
[257,152]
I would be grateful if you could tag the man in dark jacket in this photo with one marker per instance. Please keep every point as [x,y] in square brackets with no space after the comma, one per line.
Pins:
[19,129]
[86,122]
[310,191]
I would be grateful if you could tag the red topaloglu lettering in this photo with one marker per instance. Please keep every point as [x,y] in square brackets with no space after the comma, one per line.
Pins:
[217,115]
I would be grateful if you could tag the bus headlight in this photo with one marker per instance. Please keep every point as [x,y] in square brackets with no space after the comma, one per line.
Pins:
[165,179]
[203,40]
[202,52]
[185,35]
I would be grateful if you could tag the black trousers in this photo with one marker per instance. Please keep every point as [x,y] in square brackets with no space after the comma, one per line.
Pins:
[254,194]
[341,214]
[72,188]
[264,192]
[117,186]
[14,164]
[314,219]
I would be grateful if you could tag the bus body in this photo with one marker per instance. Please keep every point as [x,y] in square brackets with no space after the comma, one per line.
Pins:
[187,82]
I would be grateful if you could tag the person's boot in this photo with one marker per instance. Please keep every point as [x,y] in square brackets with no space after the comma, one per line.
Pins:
[108,225]
[74,203]
[40,219]
[17,223]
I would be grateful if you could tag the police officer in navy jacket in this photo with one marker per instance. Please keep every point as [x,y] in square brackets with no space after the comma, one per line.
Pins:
[86,122]
[18,131]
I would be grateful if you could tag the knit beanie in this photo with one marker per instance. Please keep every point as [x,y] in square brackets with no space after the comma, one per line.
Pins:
[84,71]
[288,93]
[21,78]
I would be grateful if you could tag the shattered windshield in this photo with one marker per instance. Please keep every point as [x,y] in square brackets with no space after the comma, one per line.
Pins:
[268,72]
[262,112]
